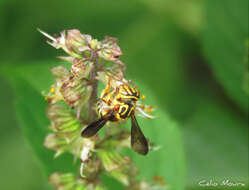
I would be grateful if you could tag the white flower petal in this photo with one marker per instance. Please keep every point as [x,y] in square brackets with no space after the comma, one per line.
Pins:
[143,113]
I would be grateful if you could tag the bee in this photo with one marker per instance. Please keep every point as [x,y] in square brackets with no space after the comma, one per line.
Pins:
[119,105]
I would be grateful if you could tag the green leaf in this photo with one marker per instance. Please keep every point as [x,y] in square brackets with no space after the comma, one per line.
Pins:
[216,144]
[224,45]
[28,82]
[188,92]
[17,160]
[30,111]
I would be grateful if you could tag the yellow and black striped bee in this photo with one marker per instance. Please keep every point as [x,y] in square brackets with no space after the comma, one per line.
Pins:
[119,105]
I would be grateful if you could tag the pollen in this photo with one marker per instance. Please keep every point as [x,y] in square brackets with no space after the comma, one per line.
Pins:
[148,109]
[52,90]
[143,97]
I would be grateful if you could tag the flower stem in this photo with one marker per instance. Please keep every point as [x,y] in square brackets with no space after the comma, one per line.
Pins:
[92,115]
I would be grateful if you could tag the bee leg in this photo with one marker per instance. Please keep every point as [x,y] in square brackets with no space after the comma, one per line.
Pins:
[107,88]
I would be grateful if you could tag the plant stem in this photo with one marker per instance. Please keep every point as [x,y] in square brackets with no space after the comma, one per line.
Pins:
[92,115]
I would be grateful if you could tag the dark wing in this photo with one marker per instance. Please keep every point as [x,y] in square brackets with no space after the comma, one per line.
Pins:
[94,127]
[138,140]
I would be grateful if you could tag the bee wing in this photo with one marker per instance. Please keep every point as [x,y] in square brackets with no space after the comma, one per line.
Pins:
[138,141]
[94,127]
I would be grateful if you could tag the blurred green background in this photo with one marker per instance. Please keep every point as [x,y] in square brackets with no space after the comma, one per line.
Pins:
[192,55]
